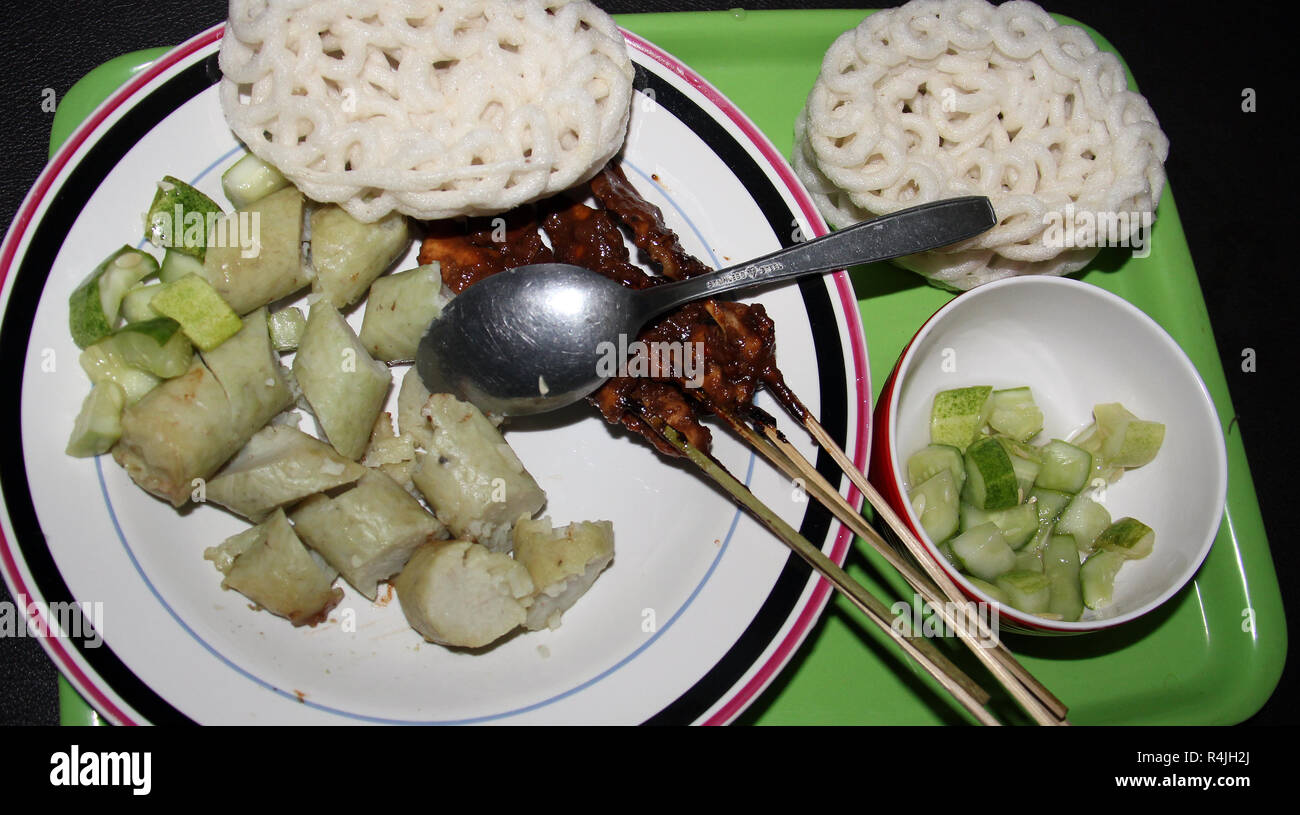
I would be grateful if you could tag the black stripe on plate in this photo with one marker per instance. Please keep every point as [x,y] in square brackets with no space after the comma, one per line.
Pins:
[829,352]
[29,281]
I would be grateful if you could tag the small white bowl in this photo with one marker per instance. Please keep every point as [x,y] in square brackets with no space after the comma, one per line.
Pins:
[1076,346]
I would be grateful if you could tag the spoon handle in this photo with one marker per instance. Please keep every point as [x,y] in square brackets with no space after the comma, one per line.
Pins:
[905,232]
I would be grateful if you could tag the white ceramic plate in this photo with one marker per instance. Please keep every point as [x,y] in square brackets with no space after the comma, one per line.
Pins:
[701,607]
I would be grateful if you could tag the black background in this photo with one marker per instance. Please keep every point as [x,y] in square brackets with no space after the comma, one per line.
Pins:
[1192,61]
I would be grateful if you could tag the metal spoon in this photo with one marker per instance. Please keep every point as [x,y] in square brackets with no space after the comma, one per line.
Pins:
[532,339]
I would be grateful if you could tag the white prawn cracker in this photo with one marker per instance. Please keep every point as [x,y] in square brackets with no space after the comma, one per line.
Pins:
[943,98]
[431,109]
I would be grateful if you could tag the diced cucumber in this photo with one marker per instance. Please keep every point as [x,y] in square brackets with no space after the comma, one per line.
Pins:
[929,460]
[1025,459]
[1065,467]
[935,503]
[991,590]
[1015,414]
[1020,449]
[1030,559]
[99,424]
[178,217]
[177,264]
[1017,524]
[958,415]
[945,549]
[1088,439]
[204,317]
[286,327]
[990,477]
[1126,440]
[249,180]
[1049,503]
[1030,592]
[94,305]
[983,552]
[1026,473]
[103,363]
[1061,567]
[157,346]
[1097,578]
[1083,519]
[135,305]
[1127,536]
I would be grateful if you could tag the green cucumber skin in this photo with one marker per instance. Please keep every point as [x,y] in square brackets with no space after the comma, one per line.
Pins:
[86,316]
[957,415]
[988,456]
[176,201]
[159,329]
[1127,536]
[203,315]
[1061,566]
[94,305]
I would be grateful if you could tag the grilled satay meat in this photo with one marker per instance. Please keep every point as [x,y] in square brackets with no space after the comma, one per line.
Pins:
[746,332]
[732,346]
[646,223]
[591,239]
[471,250]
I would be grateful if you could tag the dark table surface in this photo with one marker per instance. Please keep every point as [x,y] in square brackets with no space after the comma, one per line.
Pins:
[1192,64]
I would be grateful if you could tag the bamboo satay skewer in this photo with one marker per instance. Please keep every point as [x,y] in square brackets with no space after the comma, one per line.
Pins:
[972,630]
[957,683]
[969,626]
[793,464]
[1004,659]
[783,455]
[800,467]
[858,524]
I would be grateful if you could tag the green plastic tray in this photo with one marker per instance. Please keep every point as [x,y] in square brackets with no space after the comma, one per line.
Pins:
[1197,660]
